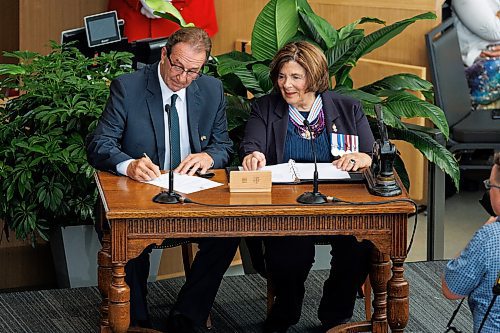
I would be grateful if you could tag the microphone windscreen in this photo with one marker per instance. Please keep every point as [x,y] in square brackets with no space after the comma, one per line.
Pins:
[167,108]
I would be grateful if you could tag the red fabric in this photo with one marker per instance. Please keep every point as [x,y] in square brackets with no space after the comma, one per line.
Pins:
[138,26]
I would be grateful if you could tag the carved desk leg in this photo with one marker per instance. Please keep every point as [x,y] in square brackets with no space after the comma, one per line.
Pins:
[104,281]
[119,300]
[379,275]
[398,290]
[119,292]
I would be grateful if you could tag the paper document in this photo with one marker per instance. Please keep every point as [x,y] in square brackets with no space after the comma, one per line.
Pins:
[296,172]
[184,183]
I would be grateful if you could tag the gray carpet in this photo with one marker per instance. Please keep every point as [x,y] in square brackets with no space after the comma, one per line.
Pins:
[240,305]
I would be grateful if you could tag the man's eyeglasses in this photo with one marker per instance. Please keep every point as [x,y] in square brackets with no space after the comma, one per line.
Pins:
[489,185]
[179,70]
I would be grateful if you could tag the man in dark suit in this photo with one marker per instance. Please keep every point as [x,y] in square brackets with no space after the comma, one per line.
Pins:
[131,139]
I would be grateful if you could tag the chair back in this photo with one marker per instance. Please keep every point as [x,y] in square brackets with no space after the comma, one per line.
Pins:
[448,72]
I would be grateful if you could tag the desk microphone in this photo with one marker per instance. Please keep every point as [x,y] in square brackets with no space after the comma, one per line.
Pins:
[169,197]
[314,197]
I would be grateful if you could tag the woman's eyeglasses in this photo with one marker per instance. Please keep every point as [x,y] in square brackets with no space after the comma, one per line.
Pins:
[488,184]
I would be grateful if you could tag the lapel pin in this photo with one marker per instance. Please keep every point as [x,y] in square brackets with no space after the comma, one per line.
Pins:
[334,128]
[203,138]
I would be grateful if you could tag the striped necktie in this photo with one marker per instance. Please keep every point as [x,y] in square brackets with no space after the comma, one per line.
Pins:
[175,133]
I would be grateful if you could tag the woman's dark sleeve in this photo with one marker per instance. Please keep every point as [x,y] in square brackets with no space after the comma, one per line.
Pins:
[255,136]
[364,131]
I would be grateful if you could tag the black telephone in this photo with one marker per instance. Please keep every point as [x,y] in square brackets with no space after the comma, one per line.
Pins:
[380,176]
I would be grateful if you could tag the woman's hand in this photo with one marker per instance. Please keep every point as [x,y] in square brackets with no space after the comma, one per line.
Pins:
[254,161]
[353,161]
[492,51]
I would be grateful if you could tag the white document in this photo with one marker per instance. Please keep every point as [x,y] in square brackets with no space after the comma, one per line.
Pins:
[295,172]
[184,183]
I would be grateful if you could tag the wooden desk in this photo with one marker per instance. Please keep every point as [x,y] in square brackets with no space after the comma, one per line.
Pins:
[136,222]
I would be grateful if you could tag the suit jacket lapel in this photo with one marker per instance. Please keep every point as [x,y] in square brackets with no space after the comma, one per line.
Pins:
[193,102]
[330,111]
[155,107]
[280,126]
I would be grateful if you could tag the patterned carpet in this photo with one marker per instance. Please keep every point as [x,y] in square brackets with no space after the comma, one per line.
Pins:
[240,305]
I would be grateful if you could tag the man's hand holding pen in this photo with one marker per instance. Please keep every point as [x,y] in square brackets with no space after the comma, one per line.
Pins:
[143,169]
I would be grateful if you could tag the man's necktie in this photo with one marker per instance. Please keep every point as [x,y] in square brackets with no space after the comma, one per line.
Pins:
[175,133]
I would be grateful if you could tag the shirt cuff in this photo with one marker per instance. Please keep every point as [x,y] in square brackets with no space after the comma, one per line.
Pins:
[121,167]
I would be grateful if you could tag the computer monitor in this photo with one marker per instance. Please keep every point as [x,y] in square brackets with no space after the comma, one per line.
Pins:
[79,36]
[102,29]
[148,51]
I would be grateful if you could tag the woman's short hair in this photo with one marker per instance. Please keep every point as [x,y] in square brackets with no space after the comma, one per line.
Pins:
[307,55]
[195,37]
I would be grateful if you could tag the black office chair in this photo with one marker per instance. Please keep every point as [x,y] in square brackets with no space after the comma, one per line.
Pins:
[470,129]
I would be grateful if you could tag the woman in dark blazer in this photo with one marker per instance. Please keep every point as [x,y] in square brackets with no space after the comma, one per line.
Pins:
[274,134]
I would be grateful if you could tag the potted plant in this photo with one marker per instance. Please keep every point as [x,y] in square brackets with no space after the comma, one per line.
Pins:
[44,175]
[281,21]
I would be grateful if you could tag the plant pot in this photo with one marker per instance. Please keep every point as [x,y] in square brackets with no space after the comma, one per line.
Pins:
[74,250]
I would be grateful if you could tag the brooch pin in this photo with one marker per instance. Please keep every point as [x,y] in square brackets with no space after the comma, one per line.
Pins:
[334,128]
[203,138]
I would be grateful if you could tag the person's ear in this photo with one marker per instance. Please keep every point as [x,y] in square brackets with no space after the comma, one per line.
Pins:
[163,54]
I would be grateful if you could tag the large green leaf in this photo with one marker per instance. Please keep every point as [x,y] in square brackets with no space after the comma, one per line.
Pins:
[262,74]
[358,94]
[340,54]
[383,35]
[22,55]
[11,69]
[230,61]
[249,80]
[431,149]
[238,111]
[319,29]
[304,6]
[276,24]
[410,106]
[233,85]
[346,30]
[403,81]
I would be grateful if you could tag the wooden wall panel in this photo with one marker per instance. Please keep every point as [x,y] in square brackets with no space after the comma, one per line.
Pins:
[9,27]
[235,19]
[407,48]
[43,20]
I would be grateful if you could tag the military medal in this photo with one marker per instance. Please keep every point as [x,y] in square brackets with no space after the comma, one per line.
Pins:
[344,143]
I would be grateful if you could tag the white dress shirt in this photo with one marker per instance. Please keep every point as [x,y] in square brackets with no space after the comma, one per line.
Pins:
[181,105]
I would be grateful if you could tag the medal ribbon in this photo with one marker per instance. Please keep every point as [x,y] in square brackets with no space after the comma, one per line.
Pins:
[315,118]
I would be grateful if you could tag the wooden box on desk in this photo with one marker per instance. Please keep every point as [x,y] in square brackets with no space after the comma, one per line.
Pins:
[250,181]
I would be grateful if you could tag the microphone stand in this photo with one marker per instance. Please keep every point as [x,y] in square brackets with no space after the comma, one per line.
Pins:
[496,292]
[314,197]
[169,197]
